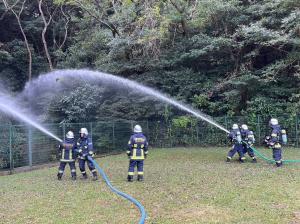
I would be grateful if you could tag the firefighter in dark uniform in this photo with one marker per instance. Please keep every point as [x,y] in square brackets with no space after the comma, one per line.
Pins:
[275,141]
[67,151]
[248,141]
[236,138]
[85,149]
[137,152]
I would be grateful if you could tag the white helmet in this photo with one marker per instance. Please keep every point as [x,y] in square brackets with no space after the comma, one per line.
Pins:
[83,131]
[244,127]
[235,126]
[137,129]
[273,121]
[70,135]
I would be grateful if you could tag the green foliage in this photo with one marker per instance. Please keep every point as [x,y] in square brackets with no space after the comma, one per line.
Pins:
[183,130]
[184,122]
[80,105]
[224,57]
[19,149]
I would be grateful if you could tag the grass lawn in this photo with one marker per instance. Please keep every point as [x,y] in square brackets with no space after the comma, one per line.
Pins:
[182,185]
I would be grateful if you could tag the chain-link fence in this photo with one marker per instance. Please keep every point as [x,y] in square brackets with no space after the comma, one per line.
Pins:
[22,145]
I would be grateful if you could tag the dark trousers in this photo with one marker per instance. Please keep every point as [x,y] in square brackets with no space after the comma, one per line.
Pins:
[277,155]
[237,148]
[248,150]
[62,166]
[90,165]
[140,167]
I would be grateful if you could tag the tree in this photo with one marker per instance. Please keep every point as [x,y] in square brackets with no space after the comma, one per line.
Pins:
[18,17]
[222,56]
[46,25]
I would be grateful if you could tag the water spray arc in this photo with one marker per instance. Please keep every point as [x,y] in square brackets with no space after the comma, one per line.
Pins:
[7,107]
[53,80]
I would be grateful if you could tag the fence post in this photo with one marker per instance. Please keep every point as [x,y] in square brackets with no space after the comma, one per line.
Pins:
[197,132]
[113,132]
[148,132]
[64,131]
[91,130]
[162,137]
[29,146]
[297,140]
[170,130]
[258,129]
[11,165]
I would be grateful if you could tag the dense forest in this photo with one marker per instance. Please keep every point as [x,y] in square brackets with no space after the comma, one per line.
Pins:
[224,57]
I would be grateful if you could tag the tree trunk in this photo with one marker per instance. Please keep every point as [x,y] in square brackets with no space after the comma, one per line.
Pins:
[46,24]
[18,17]
[66,28]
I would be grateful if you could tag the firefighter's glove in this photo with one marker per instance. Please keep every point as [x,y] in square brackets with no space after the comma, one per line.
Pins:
[91,154]
[271,144]
[79,152]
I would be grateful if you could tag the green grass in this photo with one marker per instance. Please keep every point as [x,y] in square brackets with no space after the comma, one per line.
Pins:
[191,185]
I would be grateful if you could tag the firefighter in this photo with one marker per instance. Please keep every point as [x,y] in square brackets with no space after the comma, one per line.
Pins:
[137,152]
[248,141]
[85,149]
[275,140]
[67,151]
[236,138]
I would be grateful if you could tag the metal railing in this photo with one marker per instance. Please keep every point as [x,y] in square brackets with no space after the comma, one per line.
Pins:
[22,145]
